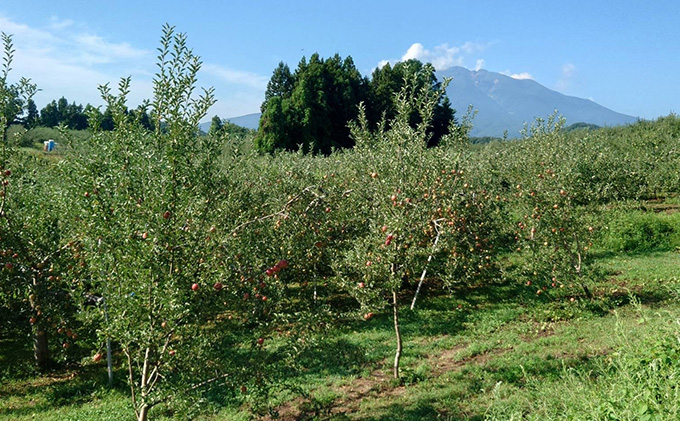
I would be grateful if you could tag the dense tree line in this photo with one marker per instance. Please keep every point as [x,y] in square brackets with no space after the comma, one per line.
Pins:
[310,107]
[75,116]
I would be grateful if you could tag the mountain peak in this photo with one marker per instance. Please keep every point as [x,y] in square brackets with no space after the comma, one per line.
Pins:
[506,103]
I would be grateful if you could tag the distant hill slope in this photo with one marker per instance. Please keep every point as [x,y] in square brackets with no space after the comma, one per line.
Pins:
[249,121]
[503,103]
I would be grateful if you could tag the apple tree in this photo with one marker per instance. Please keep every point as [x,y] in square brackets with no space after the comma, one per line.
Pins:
[153,211]
[38,260]
[419,217]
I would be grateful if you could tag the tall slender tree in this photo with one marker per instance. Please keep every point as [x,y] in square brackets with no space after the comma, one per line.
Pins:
[32,116]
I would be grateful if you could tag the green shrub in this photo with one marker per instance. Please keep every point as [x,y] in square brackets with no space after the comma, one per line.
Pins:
[640,232]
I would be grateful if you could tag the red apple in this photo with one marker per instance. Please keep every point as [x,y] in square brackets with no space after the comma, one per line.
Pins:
[195,287]
[283,264]
[66,345]
[260,341]
[361,285]
[171,352]
[244,389]
[97,357]
[217,286]
[164,325]
[32,320]
[269,272]
[166,215]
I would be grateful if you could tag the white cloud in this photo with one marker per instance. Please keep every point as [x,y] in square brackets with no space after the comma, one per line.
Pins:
[519,76]
[94,49]
[567,75]
[473,47]
[442,56]
[74,62]
[59,24]
[522,76]
[479,65]
[238,77]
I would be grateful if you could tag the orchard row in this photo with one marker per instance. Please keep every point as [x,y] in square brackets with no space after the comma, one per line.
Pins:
[208,266]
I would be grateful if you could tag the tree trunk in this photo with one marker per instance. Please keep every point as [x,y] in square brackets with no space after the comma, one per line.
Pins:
[40,349]
[397,355]
[587,291]
[143,413]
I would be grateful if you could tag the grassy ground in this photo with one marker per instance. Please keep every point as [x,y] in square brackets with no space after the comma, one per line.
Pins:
[494,352]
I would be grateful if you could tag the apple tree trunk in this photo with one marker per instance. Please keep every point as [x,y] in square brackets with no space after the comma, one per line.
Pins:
[40,349]
[397,355]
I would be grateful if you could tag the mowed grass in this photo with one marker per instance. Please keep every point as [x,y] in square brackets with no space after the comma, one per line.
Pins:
[488,352]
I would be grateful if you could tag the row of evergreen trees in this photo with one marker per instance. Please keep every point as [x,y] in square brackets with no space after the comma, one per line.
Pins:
[73,115]
[311,107]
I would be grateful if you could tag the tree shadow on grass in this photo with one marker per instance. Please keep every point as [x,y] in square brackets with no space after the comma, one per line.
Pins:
[336,356]
[57,388]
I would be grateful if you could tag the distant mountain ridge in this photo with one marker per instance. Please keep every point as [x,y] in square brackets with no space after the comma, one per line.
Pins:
[503,103]
[249,121]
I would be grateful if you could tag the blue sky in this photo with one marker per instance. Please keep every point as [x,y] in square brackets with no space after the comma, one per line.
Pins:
[623,54]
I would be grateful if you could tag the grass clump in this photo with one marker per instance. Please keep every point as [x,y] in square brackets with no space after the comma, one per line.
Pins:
[642,232]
